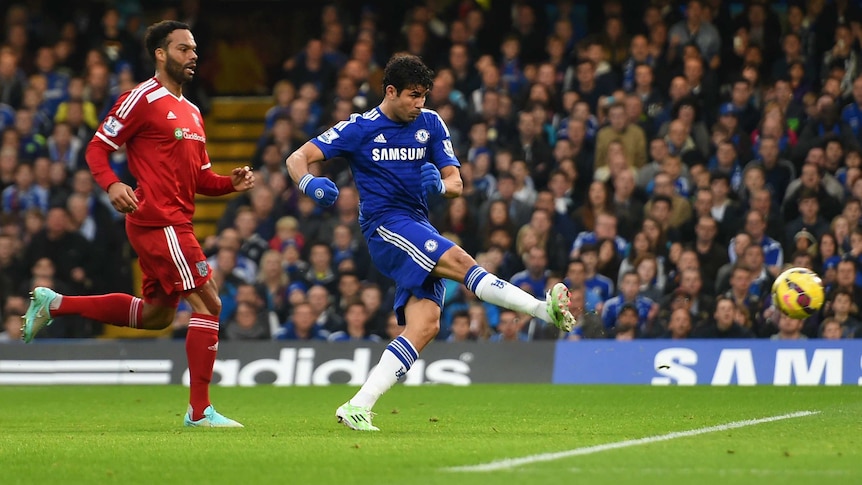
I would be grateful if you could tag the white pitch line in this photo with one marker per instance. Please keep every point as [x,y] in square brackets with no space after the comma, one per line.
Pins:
[589,450]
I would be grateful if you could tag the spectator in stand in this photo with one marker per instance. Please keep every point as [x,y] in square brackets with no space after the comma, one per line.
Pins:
[323,304]
[550,233]
[509,328]
[789,328]
[627,204]
[841,308]
[12,80]
[243,267]
[356,325]
[679,326]
[605,229]
[69,251]
[283,93]
[534,278]
[641,245]
[248,230]
[681,144]
[647,309]
[627,324]
[598,201]
[809,220]
[812,179]
[371,296]
[24,194]
[460,328]
[711,253]
[779,172]
[722,324]
[310,66]
[621,129]
[272,282]
[287,232]
[301,326]
[679,210]
[830,329]
[247,323]
[826,120]
[694,30]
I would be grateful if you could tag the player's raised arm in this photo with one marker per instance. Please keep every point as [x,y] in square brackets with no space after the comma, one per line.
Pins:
[320,189]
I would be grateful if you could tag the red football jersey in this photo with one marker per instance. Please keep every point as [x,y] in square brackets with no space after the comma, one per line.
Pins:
[165,146]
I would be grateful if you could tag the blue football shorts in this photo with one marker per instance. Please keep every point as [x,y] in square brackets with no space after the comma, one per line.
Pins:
[406,250]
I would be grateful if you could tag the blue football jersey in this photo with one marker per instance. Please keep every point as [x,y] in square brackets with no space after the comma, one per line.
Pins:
[386,156]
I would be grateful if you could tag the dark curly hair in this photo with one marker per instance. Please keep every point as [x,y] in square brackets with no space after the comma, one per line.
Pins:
[157,35]
[407,71]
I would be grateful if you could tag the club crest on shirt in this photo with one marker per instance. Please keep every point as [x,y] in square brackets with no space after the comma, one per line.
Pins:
[430,246]
[202,268]
[197,120]
[112,126]
[422,136]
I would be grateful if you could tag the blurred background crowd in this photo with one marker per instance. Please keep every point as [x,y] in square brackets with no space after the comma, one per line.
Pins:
[665,159]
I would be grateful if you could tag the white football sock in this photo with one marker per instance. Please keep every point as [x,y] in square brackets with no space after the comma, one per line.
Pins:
[496,291]
[396,360]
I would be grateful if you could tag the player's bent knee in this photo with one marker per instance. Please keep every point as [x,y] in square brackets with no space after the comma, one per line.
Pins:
[432,328]
[455,263]
[205,299]
[157,318]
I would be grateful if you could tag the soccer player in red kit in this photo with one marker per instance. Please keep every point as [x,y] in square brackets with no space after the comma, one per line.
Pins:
[165,140]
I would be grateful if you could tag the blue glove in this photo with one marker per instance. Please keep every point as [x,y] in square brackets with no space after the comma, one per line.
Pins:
[431,181]
[320,189]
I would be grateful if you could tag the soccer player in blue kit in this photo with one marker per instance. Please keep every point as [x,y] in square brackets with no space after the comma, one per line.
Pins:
[400,155]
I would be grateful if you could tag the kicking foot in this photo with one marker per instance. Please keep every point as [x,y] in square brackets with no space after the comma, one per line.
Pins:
[211,419]
[355,417]
[39,313]
[558,308]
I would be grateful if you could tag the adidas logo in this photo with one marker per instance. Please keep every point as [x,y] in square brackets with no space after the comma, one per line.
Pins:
[213,347]
[171,115]
[380,138]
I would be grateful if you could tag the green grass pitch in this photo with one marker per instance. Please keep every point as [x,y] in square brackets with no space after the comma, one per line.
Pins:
[134,434]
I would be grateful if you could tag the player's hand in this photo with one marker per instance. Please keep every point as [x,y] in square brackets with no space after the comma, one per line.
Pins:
[122,198]
[320,189]
[242,179]
[431,181]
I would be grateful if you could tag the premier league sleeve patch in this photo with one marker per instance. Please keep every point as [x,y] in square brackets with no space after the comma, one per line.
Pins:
[112,126]
[447,147]
[328,136]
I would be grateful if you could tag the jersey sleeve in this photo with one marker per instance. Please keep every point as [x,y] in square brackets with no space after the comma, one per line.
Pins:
[442,152]
[123,121]
[340,140]
[211,183]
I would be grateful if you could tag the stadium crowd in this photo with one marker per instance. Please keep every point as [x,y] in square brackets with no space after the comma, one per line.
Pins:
[666,166]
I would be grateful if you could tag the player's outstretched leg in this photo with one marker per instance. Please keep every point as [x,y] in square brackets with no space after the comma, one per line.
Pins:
[555,308]
[118,309]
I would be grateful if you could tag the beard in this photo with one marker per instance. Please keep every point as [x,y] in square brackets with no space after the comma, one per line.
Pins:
[177,71]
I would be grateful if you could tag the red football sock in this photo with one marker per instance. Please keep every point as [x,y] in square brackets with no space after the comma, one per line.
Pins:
[118,309]
[201,350]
